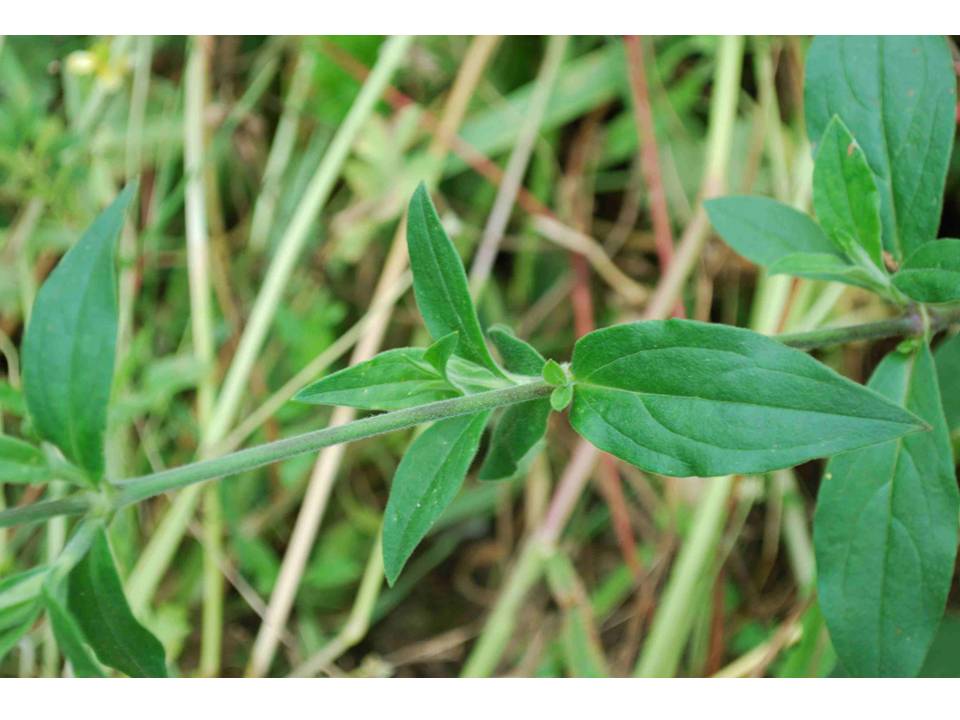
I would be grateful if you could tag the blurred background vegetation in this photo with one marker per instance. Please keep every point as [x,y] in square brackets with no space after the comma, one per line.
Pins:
[269,200]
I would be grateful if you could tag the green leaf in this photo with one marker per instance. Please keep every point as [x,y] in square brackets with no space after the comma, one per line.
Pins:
[516,438]
[427,479]
[947,359]
[96,600]
[561,397]
[19,606]
[471,378]
[11,400]
[885,532]
[554,375]
[439,354]
[932,272]
[897,95]
[392,380]
[518,356]
[440,284]
[10,635]
[943,659]
[765,231]
[820,266]
[69,636]
[21,462]
[68,349]
[845,195]
[683,398]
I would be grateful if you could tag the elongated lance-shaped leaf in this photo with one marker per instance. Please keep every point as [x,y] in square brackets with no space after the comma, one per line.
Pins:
[820,266]
[515,440]
[69,636]
[69,346]
[440,283]
[19,605]
[427,479]
[392,380]
[21,462]
[932,273]
[95,599]
[679,397]
[897,96]
[845,196]
[765,231]
[518,356]
[885,532]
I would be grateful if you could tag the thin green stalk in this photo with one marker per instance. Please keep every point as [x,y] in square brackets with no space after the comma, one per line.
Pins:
[139,489]
[45,509]
[911,324]
[201,318]
[159,552]
[56,535]
[281,150]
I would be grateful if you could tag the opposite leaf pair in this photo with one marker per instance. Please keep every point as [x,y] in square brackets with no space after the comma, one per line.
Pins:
[886,523]
[674,397]
[68,357]
[880,113]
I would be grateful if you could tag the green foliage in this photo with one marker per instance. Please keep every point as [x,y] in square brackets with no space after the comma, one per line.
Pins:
[392,380]
[765,231]
[19,605]
[440,282]
[561,397]
[785,240]
[518,356]
[880,113]
[515,440]
[673,397]
[21,462]
[553,374]
[886,532]
[426,481]
[932,273]
[683,398]
[97,604]
[69,346]
[70,637]
[897,96]
[845,195]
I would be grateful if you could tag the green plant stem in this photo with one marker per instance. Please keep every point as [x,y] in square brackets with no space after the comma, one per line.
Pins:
[911,324]
[37,512]
[159,552]
[139,489]
[56,533]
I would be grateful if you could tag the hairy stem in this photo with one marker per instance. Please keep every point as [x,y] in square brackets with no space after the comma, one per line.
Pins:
[911,324]
[138,489]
